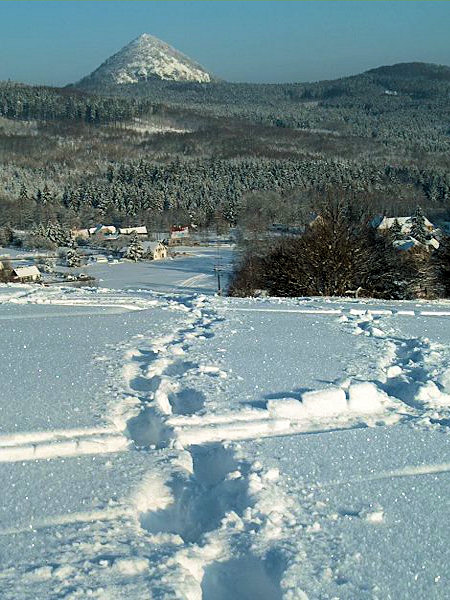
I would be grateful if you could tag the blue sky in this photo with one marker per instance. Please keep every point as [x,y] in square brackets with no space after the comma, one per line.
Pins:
[58,42]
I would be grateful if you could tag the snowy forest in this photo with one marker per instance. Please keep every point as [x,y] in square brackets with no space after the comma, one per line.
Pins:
[223,154]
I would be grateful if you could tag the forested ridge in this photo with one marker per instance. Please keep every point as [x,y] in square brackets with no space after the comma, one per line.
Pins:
[406,103]
[202,152]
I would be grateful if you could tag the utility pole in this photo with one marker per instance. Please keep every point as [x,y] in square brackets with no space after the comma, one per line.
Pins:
[217,270]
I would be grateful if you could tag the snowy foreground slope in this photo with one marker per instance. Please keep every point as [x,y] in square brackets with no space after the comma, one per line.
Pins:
[161,445]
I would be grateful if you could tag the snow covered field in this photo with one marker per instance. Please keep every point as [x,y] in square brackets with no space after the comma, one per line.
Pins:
[168,445]
[192,270]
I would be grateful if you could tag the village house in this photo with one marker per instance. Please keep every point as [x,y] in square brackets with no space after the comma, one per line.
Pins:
[108,231]
[25,274]
[155,250]
[386,223]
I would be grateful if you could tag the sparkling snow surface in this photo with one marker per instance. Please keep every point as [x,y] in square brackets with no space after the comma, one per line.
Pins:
[168,445]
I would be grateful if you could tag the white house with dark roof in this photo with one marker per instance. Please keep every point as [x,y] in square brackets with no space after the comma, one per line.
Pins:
[155,250]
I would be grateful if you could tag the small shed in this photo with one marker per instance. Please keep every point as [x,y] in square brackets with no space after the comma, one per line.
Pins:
[98,258]
[80,233]
[155,250]
[26,274]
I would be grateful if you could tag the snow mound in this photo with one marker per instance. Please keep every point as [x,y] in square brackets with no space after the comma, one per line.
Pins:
[131,566]
[429,393]
[325,403]
[365,398]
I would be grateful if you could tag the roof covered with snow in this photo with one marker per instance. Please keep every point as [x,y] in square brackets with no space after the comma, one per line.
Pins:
[153,245]
[411,242]
[404,222]
[102,229]
[32,271]
[141,230]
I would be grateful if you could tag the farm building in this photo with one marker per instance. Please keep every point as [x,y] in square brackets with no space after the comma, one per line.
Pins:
[179,232]
[25,274]
[103,230]
[141,230]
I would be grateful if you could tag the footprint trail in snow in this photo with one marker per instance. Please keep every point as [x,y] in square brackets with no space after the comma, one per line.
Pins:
[206,522]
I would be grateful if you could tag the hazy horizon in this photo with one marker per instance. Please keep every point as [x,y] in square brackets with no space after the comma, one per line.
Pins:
[56,43]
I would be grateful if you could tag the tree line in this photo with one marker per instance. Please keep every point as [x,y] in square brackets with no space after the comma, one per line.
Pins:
[18,101]
[203,191]
[341,254]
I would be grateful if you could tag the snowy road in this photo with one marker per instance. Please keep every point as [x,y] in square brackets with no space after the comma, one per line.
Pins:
[188,446]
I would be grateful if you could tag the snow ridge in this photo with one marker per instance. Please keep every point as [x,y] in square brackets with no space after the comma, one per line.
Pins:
[413,371]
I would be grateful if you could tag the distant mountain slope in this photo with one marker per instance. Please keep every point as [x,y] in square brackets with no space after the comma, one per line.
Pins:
[413,70]
[146,58]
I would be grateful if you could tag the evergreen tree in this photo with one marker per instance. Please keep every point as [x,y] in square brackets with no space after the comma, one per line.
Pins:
[73,259]
[6,236]
[46,196]
[135,250]
[22,204]
[396,231]
[418,229]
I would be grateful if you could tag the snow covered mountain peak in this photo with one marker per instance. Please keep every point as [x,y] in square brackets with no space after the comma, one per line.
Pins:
[147,58]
